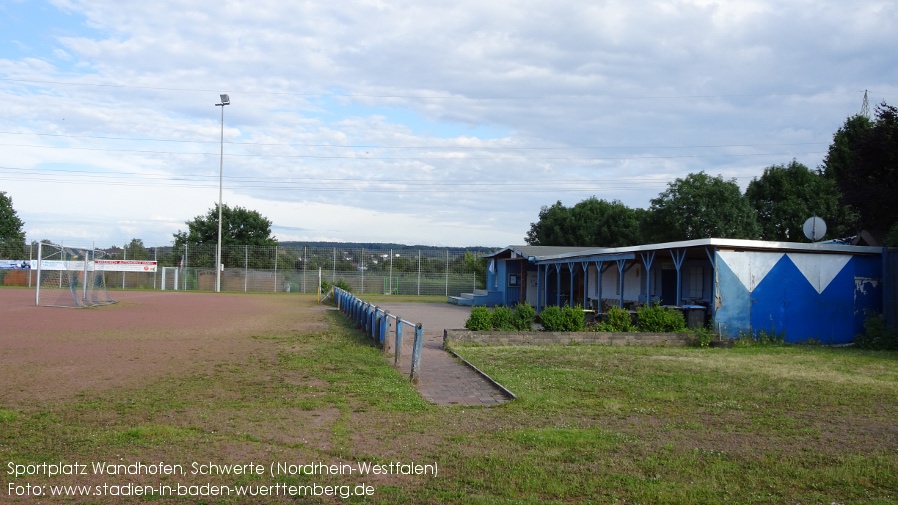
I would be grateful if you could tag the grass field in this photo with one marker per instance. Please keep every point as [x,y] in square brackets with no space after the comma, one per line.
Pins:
[590,425]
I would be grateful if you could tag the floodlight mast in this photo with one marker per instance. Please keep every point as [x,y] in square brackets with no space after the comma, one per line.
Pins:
[225,100]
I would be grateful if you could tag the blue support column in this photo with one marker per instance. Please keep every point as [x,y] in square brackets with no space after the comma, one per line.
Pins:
[570,300]
[585,266]
[539,288]
[678,256]
[712,257]
[557,284]
[647,260]
[620,280]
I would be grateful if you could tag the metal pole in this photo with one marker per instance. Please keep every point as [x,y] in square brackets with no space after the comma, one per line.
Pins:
[37,291]
[220,184]
[124,257]
[447,272]
[225,100]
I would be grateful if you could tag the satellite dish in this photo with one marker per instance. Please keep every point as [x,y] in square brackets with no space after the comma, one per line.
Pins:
[814,229]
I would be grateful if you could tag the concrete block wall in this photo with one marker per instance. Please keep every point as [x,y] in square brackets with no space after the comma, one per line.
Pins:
[467,337]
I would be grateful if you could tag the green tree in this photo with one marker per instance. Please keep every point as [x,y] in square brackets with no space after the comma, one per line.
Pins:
[787,195]
[12,238]
[700,206]
[552,228]
[476,265]
[136,250]
[591,222]
[840,156]
[863,161]
[239,227]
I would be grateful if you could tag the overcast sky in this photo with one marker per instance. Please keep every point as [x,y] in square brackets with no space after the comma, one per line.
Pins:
[417,122]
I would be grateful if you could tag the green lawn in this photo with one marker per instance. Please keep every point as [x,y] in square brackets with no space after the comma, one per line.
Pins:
[590,425]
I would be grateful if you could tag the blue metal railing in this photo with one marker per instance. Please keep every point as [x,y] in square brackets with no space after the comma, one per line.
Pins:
[375,322]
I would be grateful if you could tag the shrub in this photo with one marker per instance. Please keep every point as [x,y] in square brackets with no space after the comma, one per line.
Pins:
[616,320]
[574,318]
[877,335]
[524,316]
[562,319]
[481,319]
[552,318]
[502,319]
[657,319]
[703,337]
[342,284]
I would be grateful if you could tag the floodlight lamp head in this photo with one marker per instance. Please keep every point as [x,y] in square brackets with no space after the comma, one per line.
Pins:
[225,100]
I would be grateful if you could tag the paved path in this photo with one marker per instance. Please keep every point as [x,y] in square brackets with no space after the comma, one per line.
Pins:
[442,379]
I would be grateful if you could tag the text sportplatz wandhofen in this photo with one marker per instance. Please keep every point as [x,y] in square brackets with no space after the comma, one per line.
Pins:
[273,469]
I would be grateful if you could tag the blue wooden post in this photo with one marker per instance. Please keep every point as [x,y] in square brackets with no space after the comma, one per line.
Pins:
[384,324]
[378,321]
[678,256]
[558,284]
[712,256]
[372,314]
[416,352]
[620,280]
[397,355]
[585,266]
[539,288]
[647,260]
[367,325]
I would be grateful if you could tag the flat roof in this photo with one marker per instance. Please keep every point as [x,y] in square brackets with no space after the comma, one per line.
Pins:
[544,253]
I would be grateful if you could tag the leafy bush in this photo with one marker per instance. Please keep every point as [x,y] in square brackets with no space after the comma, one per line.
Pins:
[342,284]
[574,318]
[616,320]
[524,316]
[703,337]
[552,318]
[481,319]
[555,318]
[877,335]
[657,319]
[502,319]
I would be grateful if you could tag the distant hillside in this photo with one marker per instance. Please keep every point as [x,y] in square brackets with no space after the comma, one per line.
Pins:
[372,246]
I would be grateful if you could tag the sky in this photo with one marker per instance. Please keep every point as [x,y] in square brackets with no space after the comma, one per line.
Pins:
[413,122]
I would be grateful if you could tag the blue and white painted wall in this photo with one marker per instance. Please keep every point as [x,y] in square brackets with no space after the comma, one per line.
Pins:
[816,296]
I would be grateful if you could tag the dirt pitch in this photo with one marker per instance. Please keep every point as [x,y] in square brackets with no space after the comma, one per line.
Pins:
[50,353]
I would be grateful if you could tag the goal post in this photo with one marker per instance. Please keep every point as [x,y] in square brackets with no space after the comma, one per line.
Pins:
[69,276]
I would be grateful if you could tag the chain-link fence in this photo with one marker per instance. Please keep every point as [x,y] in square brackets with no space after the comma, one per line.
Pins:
[292,268]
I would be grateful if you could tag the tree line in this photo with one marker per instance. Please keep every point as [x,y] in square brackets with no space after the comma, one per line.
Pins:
[854,189]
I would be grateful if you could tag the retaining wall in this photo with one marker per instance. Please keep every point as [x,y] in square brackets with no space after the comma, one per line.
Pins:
[467,337]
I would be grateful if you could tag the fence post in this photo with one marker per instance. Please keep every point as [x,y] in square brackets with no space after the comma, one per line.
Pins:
[416,352]
[397,353]
[378,321]
[447,272]
[384,326]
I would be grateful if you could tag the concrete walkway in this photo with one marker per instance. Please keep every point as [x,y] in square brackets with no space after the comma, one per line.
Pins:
[442,379]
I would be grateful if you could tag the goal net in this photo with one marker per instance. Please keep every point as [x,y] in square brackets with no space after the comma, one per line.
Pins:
[68,276]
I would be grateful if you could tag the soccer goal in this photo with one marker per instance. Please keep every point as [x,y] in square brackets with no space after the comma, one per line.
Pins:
[68,276]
